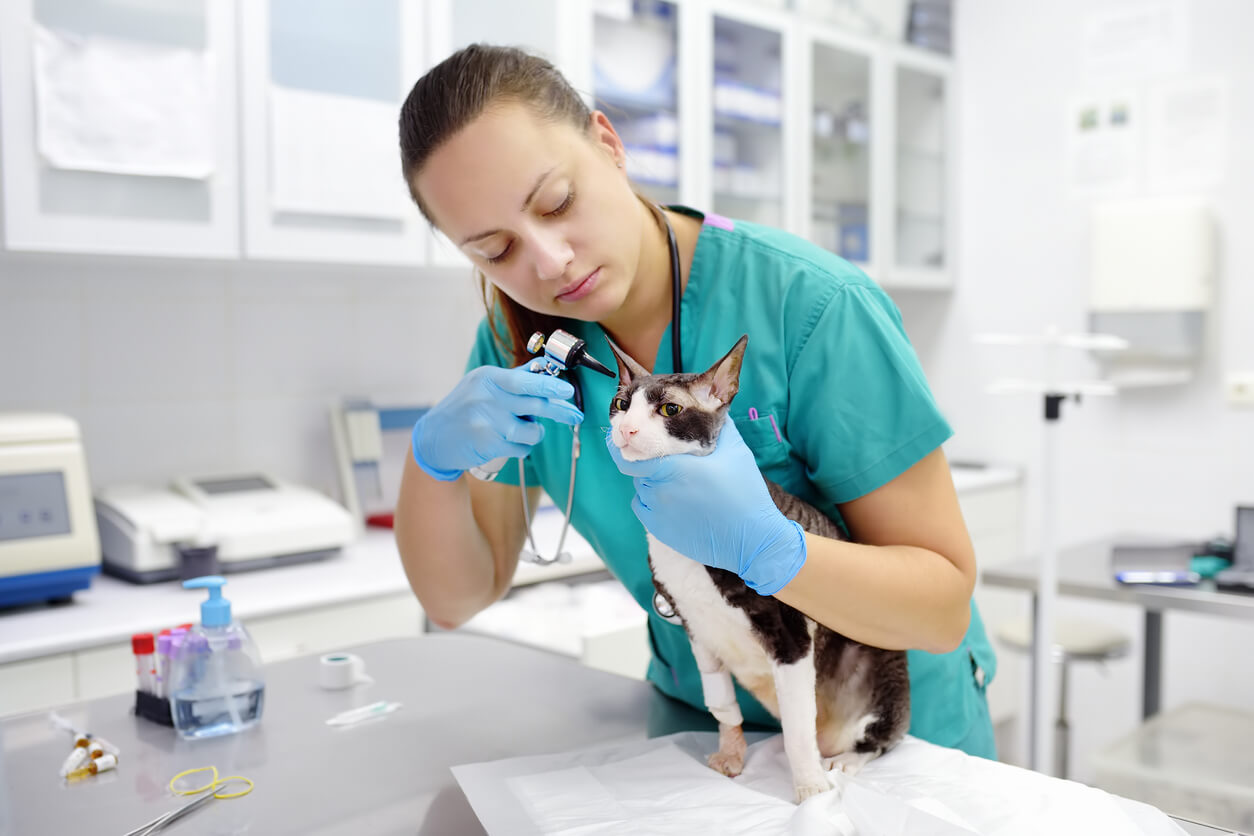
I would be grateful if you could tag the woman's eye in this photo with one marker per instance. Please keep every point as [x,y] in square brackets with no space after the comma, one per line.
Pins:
[499,257]
[670,410]
[620,404]
[564,205]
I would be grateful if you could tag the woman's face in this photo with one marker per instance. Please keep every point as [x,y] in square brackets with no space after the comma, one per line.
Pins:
[542,209]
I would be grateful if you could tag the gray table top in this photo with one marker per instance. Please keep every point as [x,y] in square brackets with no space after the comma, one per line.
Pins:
[1084,571]
[465,699]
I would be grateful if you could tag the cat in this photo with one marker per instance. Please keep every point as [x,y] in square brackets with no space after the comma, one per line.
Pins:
[840,703]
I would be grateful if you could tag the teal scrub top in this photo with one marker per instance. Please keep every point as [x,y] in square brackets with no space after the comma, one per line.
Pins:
[832,402]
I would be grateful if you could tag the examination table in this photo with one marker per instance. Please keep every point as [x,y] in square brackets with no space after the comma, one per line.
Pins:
[465,699]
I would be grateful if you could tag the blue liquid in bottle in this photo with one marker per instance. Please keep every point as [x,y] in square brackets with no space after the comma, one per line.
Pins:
[199,715]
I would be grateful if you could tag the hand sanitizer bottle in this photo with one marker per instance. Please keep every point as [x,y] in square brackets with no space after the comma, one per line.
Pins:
[216,685]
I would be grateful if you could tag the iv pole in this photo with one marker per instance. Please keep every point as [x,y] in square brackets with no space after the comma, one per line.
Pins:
[1041,744]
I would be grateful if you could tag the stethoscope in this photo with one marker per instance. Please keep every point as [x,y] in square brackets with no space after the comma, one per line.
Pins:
[562,352]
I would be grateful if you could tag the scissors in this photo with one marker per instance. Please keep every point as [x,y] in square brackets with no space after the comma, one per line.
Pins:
[210,790]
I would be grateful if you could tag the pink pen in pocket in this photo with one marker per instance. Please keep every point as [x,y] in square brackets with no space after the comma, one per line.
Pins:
[753,416]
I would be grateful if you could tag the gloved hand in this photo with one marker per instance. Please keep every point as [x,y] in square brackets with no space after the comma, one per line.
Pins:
[482,419]
[716,509]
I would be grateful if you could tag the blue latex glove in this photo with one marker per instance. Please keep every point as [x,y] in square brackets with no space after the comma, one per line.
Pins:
[716,509]
[483,419]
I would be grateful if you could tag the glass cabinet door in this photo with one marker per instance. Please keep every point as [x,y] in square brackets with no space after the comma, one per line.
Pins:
[840,204]
[636,84]
[748,161]
[920,216]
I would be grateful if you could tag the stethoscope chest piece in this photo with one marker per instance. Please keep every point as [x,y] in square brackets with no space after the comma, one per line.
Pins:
[664,609]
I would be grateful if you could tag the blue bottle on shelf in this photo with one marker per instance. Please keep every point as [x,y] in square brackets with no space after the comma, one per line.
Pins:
[216,684]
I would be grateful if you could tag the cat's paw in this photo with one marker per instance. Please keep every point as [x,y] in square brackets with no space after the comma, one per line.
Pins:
[811,787]
[730,764]
[848,763]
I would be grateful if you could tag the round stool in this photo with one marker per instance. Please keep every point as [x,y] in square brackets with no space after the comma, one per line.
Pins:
[1075,640]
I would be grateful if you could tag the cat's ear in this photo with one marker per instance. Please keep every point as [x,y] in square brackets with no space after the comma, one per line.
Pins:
[724,376]
[628,369]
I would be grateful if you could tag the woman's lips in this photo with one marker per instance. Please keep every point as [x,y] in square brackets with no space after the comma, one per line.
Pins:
[582,289]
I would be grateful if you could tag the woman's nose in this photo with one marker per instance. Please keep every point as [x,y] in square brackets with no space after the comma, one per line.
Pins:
[553,256]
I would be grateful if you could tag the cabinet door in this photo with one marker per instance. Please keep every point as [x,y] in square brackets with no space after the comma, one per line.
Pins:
[750,117]
[635,77]
[840,188]
[118,127]
[921,252]
[323,84]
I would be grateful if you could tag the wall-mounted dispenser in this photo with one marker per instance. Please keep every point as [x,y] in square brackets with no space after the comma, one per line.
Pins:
[1153,270]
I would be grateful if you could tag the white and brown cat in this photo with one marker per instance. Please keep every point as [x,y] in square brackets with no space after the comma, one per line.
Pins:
[835,698]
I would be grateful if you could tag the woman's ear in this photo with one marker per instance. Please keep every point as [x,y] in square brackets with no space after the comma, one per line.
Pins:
[601,132]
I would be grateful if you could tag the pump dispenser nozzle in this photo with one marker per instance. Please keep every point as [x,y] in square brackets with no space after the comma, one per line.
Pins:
[215,611]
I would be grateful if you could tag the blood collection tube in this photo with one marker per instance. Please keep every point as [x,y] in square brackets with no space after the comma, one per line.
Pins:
[145,664]
[161,686]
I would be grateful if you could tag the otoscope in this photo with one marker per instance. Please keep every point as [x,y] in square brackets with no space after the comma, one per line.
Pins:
[562,351]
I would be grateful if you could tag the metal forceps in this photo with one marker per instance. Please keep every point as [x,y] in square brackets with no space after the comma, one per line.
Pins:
[210,793]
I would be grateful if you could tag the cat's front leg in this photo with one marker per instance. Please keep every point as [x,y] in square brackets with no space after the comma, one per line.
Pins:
[720,699]
[798,715]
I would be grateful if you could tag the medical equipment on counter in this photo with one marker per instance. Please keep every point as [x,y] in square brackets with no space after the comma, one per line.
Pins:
[356,715]
[49,544]
[1240,576]
[256,521]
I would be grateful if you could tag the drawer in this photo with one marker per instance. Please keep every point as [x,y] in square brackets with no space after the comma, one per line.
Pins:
[35,684]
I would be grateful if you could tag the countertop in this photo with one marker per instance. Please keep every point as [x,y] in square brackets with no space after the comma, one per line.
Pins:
[111,610]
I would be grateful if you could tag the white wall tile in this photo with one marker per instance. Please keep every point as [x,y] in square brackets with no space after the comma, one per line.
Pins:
[41,352]
[153,441]
[143,349]
[292,346]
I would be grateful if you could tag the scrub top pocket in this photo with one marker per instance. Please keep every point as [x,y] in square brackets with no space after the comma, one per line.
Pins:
[765,439]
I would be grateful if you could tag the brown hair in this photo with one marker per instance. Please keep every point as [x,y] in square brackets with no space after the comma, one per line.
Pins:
[450,96]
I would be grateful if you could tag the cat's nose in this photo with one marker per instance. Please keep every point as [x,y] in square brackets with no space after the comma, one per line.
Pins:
[628,432]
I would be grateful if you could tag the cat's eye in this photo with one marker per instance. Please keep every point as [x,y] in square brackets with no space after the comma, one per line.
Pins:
[670,410]
[619,404]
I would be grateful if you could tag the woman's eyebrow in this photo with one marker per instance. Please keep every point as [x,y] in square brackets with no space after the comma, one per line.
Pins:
[531,195]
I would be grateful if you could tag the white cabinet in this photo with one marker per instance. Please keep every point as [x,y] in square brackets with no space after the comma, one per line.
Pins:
[747,109]
[321,88]
[124,141]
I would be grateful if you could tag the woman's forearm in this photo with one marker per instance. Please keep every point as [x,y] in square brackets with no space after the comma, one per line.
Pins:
[894,597]
[448,558]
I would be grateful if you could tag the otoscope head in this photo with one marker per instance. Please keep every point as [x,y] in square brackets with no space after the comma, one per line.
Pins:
[566,349]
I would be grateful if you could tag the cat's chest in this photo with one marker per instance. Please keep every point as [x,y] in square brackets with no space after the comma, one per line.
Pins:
[721,627]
